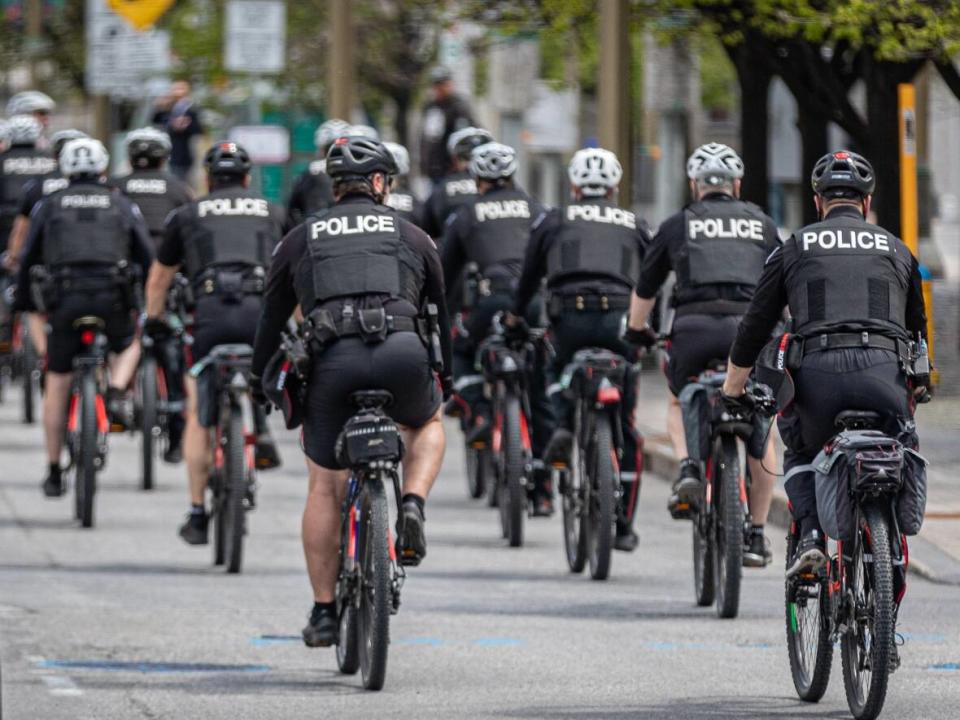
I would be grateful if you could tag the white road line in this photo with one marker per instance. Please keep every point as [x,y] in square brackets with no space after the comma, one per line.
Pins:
[57,685]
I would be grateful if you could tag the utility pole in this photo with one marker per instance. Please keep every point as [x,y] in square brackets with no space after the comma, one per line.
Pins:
[614,88]
[341,60]
[33,15]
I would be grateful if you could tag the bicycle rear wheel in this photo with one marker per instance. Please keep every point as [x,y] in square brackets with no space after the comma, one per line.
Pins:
[87,456]
[235,488]
[30,377]
[575,493]
[728,555]
[513,487]
[476,479]
[375,595]
[704,590]
[808,633]
[149,423]
[602,505]
[867,647]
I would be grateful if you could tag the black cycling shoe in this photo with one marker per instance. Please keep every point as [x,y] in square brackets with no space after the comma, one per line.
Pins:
[411,541]
[119,409]
[559,448]
[322,627]
[685,495]
[756,549]
[194,530]
[53,484]
[173,454]
[542,505]
[265,453]
[810,556]
[626,540]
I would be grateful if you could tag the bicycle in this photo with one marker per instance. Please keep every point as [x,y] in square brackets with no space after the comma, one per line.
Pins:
[721,521]
[590,486]
[506,365]
[152,403]
[87,423]
[29,366]
[232,481]
[855,597]
[370,577]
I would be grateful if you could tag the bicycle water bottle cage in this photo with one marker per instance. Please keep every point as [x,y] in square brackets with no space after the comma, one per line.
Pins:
[369,439]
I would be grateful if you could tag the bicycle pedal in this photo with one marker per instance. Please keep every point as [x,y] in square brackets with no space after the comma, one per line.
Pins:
[478,445]
[117,428]
[808,576]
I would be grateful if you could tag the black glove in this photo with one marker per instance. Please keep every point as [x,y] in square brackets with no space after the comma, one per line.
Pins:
[156,328]
[738,406]
[446,386]
[256,392]
[644,337]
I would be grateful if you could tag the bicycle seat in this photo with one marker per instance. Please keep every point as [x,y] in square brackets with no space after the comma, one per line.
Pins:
[597,357]
[372,398]
[857,420]
[233,351]
[89,322]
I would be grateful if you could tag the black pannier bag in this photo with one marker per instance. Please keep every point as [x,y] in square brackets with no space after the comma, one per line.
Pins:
[369,437]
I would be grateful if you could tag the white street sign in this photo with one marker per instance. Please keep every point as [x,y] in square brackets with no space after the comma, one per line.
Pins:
[255,36]
[120,59]
[266,144]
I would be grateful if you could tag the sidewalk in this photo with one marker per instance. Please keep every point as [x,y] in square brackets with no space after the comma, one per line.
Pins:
[934,554]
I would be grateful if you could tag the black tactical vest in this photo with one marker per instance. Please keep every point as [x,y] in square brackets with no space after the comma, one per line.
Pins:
[18,165]
[499,231]
[595,237]
[403,203]
[355,250]
[85,225]
[726,243]
[845,274]
[228,227]
[156,193]
[317,188]
[455,189]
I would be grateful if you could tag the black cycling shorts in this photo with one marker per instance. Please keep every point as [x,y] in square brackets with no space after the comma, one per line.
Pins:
[399,364]
[63,340]
[696,341]
[221,323]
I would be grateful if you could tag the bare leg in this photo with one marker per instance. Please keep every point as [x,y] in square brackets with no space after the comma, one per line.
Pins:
[763,481]
[196,446]
[421,463]
[675,429]
[37,327]
[124,366]
[55,400]
[320,529]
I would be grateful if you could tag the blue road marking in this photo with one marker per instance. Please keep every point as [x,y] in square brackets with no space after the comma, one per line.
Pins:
[149,667]
[947,667]
[497,642]
[264,640]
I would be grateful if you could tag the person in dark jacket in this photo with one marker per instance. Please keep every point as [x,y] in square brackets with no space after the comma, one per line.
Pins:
[181,121]
[446,113]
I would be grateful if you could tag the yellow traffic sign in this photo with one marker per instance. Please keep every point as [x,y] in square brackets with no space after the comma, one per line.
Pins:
[140,13]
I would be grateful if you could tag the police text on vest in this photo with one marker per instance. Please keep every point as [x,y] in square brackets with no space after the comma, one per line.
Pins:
[595,213]
[734,228]
[85,201]
[352,225]
[846,239]
[147,186]
[233,206]
[502,210]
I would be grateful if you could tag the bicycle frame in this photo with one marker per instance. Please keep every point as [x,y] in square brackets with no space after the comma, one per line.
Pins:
[92,359]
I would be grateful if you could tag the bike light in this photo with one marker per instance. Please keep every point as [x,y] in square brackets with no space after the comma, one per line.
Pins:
[87,337]
[608,393]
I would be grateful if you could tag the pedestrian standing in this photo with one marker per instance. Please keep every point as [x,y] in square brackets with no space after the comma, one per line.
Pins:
[446,113]
[180,120]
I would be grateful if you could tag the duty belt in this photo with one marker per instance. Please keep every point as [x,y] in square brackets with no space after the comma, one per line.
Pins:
[713,307]
[835,341]
[587,302]
[247,286]
[320,329]
[496,285]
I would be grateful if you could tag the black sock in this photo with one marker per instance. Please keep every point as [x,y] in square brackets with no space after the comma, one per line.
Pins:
[410,497]
[757,529]
[329,607]
[55,469]
[809,523]
[198,510]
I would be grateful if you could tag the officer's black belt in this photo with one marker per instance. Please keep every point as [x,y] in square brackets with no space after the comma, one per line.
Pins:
[713,307]
[836,341]
[588,302]
[348,328]
[248,286]
[497,285]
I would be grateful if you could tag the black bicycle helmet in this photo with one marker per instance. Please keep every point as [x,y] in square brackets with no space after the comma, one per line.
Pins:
[843,174]
[227,158]
[148,146]
[358,157]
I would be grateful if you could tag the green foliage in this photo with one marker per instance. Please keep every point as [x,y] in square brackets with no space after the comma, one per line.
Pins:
[718,77]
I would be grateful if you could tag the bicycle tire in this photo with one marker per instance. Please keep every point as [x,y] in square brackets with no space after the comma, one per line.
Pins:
[235,487]
[217,510]
[810,679]
[87,460]
[375,593]
[348,651]
[149,421]
[513,487]
[868,705]
[704,591]
[476,486]
[575,498]
[728,553]
[490,473]
[602,506]
[31,379]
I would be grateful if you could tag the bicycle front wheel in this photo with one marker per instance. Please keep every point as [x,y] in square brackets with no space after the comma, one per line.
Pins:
[867,647]
[375,595]
[604,476]
[31,378]
[513,486]
[149,425]
[728,555]
[808,633]
[575,493]
[235,488]
[703,552]
[87,456]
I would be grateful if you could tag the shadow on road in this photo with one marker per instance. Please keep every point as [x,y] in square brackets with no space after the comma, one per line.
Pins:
[737,708]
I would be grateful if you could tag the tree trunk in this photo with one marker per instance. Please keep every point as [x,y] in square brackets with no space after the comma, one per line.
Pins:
[813,136]
[754,78]
[400,124]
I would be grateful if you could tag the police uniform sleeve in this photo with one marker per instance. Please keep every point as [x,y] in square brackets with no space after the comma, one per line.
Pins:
[170,252]
[295,205]
[916,311]
[32,255]
[656,261]
[279,297]
[535,260]
[429,215]
[453,252]
[32,194]
[141,246]
[764,312]
[434,290]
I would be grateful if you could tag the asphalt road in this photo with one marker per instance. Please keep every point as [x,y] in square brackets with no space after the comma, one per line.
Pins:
[124,621]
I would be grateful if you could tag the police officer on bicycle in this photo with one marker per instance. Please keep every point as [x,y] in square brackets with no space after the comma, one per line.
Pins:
[361,276]
[93,247]
[716,246]
[456,187]
[313,189]
[157,193]
[590,254]
[222,243]
[492,230]
[855,294]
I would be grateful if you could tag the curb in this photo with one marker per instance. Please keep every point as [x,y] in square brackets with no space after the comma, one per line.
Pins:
[938,567]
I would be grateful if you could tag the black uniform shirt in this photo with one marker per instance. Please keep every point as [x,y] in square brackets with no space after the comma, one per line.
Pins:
[312,191]
[770,298]
[280,298]
[38,188]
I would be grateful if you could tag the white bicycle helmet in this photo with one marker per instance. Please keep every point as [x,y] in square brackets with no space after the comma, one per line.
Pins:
[24,129]
[400,156]
[595,171]
[493,161]
[84,156]
[4,132]
[30,101]
[462,142]
[363,131]
[147,144]
[329,131]
[714,163]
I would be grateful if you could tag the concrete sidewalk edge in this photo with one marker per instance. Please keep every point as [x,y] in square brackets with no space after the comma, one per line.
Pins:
[933,565]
